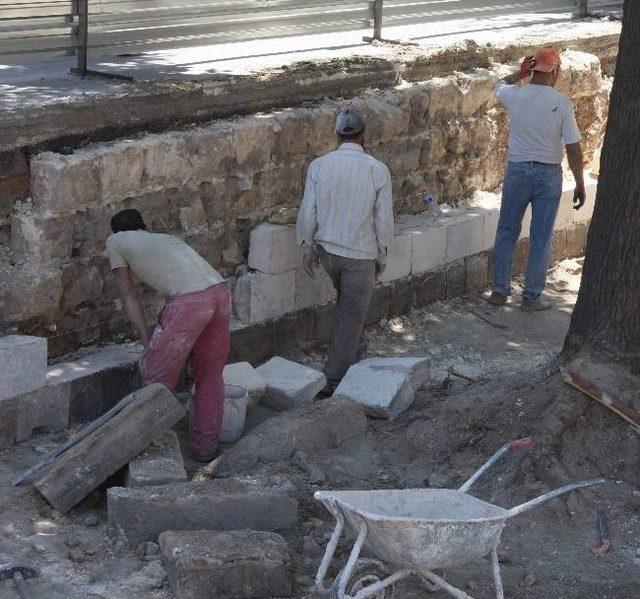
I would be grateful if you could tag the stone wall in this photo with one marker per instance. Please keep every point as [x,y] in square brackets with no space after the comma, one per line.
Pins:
[214,184]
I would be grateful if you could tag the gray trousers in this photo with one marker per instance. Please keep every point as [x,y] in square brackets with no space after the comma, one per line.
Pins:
[354,281]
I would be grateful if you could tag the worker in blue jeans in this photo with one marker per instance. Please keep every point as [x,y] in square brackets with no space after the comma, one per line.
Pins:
[542,120]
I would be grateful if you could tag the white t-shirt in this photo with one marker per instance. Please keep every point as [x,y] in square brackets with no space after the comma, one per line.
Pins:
[164,262]
[542,120]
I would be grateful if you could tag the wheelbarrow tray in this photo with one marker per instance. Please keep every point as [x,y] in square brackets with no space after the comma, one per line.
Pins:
[421,528]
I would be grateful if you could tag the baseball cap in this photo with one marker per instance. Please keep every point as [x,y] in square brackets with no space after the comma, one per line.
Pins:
[350,122]
[546,59]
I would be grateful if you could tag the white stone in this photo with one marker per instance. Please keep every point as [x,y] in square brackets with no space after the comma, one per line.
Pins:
[23,364]
[258,297]
[245,375]
[429,248]
[290,385]
[465,233]
[316,291]
[385,387]
[273,249]
[398,258]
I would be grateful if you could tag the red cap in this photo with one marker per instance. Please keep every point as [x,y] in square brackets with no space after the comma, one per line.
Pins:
[547,59]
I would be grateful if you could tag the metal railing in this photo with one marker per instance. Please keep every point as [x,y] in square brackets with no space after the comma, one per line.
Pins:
[103,27]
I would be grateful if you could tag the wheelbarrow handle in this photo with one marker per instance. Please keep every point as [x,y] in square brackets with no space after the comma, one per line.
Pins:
[506,448]
[514,511]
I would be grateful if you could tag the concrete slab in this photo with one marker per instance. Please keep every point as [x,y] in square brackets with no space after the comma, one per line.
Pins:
[429,248]
[465,235]
[227,565]
[385,387]
[273,249]
[245,375]
[159,464]
[258,297]
[23,364]
[398,258]
[289,384]
[222,504]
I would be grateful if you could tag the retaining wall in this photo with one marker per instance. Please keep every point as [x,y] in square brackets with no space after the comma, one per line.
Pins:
[214,184]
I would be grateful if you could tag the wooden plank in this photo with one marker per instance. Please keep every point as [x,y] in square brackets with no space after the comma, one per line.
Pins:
[78,471]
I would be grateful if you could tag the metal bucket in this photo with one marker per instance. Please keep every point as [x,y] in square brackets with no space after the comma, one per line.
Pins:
[235,411]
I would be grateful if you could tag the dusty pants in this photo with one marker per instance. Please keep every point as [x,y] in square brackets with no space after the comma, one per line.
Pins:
[353,280]
[194,325]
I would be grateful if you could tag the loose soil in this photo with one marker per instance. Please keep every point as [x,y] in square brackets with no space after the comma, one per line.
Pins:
[494,379]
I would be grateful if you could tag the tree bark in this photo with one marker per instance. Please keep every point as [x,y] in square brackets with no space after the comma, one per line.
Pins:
[606,319]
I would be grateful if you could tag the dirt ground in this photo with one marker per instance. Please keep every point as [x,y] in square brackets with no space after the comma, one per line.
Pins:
[494,378]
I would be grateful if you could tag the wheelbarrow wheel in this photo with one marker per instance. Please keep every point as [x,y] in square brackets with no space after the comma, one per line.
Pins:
[366,573]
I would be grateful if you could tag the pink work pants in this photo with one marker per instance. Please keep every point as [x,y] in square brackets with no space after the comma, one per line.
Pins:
[194,325]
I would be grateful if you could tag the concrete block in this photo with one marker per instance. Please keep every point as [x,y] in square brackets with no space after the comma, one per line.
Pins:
[245,375]
[316,291]
[465,235]
[23,364]
[429,248]
[429,287]
[220,504]
[456,279]
[258,297]
[253,343]
[273,249]
[398,258]
[227,565]
[79,470]
[289,385]
[43,410]
[41,239]
[385,387]
[324,425]
[8,421]
[477,272]
[159,464]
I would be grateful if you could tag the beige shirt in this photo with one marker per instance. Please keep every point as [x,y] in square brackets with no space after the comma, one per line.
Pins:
[347,206]
[163,262]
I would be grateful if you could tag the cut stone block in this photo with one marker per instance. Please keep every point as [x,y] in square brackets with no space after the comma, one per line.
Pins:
[398,258]
[258,297]
[161,463]
[429,249]
[273,249]
[45,409]
[316,291]
[385,387]
[220,504]
[227,565]
[324,425]
[79,470]
[245,375]
[289,384]
[23,364]
[465,234]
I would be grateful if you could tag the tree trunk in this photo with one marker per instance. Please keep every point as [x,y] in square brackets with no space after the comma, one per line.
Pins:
[606,319]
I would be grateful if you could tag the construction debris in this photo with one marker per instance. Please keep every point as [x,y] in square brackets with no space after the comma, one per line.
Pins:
[161,463]
[79,470]
[227,565]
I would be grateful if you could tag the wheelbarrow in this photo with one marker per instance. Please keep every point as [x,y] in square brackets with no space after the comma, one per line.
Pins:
[418,532]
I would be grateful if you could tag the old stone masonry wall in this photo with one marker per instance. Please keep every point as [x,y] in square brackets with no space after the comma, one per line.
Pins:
[214,184]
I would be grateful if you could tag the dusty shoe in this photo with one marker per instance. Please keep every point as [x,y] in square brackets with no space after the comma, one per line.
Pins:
[539,306]
[496,299]
[328,390]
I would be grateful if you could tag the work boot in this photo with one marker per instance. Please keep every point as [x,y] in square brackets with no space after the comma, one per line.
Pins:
[328,389]
[496,299]
[538,306]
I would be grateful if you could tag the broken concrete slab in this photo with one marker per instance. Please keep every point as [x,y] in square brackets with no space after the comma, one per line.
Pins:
[227,565]
[289,384]
[324,425]
[245,375]
[256,503]
[159,464]
[80,469]
[23,364]
[385,387]
[273,249]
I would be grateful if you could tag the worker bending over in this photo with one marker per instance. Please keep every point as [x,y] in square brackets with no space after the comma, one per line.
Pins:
[194,323]
[541,120]
[346,220]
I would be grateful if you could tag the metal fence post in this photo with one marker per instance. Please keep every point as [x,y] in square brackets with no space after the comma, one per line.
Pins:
[83,36]
[584,8]
[377,19]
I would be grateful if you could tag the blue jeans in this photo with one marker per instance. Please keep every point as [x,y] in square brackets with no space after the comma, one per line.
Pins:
[541,186]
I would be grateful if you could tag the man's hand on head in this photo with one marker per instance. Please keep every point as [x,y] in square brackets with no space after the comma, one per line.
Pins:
[526,67]
[310,261]
[579,196]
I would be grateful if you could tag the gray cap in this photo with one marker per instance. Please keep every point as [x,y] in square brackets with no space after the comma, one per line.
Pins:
[350,122]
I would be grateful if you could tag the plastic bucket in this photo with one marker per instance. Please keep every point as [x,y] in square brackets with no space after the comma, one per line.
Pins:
[235,411]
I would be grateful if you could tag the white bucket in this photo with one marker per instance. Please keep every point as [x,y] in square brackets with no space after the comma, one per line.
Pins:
[235,411]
